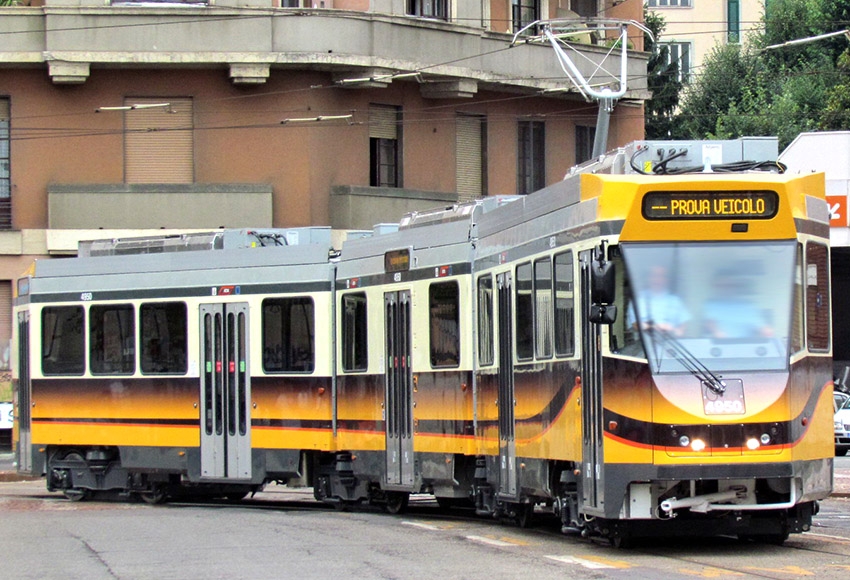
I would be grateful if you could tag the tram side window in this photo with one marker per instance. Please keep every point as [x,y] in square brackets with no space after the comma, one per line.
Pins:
[444,315]
[354,333]
[797,325]
[288,335]
[524,313]
[163,338]
[564,305]
[485,320]
[817,297]
[62,341]
[112,339]
[543,308]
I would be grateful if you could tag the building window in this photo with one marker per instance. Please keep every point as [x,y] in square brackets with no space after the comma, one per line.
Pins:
[429,8]
[62,340]
[444,308]
[524,12]
[733,21]
[5,175]
[531,167]
[163,338]
[158,140]
[112,340]
[666,3]
[355,336]
[288,335]
[679,53]
[384,150]
[584,143]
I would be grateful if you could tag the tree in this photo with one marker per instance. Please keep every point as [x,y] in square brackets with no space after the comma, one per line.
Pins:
[756,90]
[663,81]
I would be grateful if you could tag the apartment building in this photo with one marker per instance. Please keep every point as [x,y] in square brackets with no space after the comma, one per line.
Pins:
[695,27]
[122,117]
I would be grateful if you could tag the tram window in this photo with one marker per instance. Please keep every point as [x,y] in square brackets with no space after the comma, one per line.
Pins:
[524,313]
[817,297]
[288,335]
[543,308]
[485,320]
[112,339]
[62,341]
[564,305]
[163,338]
[444,308]
[355,338]
[797,325]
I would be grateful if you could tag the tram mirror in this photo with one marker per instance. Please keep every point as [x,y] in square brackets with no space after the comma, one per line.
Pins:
[600,314]
[602,275]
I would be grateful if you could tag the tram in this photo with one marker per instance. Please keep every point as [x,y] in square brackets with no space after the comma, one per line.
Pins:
[642,348]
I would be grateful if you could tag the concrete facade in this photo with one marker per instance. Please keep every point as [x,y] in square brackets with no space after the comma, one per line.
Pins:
[705,25]
[279,112]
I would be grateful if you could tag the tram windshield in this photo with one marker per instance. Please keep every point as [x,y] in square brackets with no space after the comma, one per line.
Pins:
[711,307]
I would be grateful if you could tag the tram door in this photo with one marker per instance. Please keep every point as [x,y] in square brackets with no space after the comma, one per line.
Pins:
[24,394]
[591,395]
[225,392]
[398,396]
[507,397]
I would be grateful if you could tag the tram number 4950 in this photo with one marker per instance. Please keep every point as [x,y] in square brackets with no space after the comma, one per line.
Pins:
[725,407]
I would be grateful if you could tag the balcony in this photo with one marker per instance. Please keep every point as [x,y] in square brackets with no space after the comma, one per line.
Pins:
[360,49]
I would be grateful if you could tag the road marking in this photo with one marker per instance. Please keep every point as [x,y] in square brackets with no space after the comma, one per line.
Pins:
[491,541]
[817,535]
[786,570]
[709,573]
[591,562]
[421,525]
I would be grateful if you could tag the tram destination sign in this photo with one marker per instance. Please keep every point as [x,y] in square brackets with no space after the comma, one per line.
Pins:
[706,205]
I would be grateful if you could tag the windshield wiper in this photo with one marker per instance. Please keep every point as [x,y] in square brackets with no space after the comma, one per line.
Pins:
[686,358]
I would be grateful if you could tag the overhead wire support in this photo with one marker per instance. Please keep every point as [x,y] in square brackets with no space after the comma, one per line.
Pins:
[562,33]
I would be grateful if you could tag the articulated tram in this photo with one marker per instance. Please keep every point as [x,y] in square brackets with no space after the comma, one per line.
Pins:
[639,350]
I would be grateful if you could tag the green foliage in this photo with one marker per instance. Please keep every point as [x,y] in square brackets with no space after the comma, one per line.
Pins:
[663,82]
[780,91]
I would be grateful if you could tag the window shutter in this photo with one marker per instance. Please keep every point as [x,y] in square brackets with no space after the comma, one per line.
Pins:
[383,122]
[158,141]
[469,158]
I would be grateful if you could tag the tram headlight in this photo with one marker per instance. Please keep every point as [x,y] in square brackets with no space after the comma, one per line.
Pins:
[684,440]
[753,444]
[698,445]
[765,438]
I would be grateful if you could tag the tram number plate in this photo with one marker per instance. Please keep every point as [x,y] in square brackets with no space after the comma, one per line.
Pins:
[731,402]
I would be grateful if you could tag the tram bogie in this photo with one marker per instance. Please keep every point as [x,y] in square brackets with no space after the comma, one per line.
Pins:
[512,355]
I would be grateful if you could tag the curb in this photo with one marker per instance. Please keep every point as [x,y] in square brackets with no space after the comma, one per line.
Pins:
[11,476]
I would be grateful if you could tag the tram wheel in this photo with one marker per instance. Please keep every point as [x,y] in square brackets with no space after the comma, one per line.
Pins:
[155,495]
[397,502]
[76,493]
[524,514]
[620,543]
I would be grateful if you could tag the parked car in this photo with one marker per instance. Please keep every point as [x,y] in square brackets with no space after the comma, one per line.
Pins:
[838,399]
[842,425]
